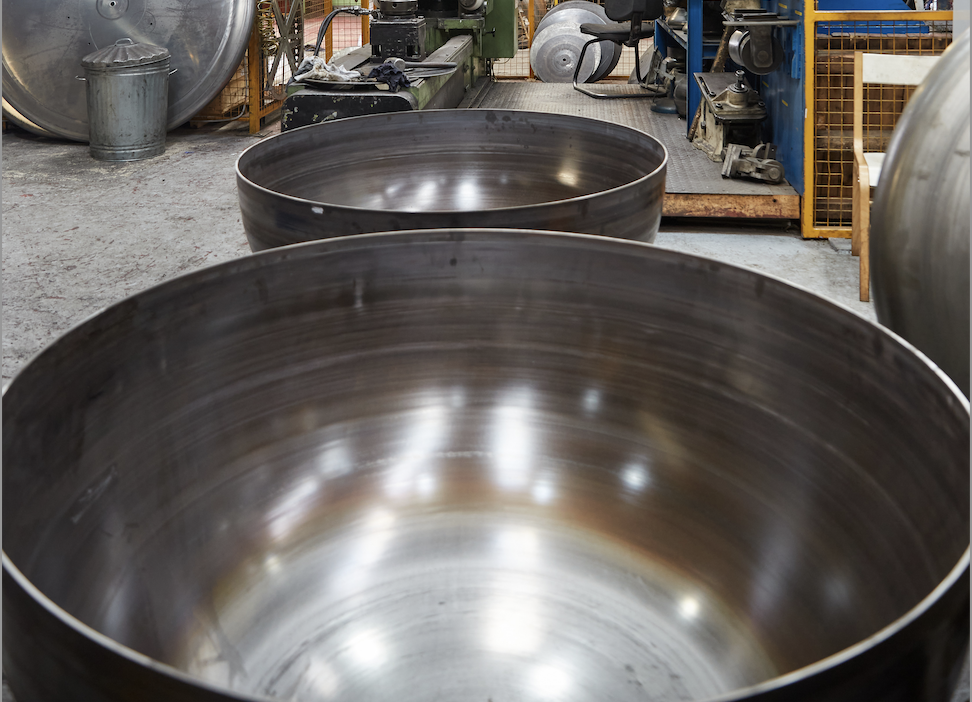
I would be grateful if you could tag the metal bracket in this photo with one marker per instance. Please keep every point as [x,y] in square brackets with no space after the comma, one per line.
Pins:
[289,39]
[757,163]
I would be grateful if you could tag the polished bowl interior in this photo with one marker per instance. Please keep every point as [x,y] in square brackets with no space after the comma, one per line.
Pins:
[452,168]
[473,465]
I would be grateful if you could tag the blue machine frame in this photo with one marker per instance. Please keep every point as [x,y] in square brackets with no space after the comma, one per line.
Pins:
[782,90]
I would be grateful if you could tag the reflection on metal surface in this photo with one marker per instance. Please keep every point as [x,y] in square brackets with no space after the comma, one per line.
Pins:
[482,465]
[44,41]
[576,13]
[11,113]
[555,51]
[452,168]
[920,219]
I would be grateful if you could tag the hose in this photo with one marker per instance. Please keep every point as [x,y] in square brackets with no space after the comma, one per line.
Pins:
[327,23]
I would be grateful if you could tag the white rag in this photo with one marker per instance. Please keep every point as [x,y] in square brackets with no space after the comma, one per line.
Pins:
[316,68]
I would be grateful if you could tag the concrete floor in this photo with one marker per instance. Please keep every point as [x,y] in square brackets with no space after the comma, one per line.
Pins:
[79,234]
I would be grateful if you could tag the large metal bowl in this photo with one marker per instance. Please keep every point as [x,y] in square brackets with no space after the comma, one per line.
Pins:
[452,168]
[479,465]
[920,222]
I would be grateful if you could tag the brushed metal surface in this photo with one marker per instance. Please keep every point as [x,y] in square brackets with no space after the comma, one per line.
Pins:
[555,51]
[45,40]
[127,109]
[920,219]
[10,112]
[578,12]
[482,465]
[568,7]
[451,168]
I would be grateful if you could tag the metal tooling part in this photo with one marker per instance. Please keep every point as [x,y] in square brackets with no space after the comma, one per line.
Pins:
[44,41]
[473,465]
[402,37]
[757,163]
[731,112]
[730,97]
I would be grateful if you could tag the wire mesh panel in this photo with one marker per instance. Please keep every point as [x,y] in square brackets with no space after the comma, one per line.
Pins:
[275,49]
[231,103]
[829,192]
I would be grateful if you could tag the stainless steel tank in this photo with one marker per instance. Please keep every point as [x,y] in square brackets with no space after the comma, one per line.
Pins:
[472,465]
[127,96]
[452,168]
[920,219]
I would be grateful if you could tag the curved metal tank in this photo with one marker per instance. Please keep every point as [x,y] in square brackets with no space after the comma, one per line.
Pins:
[11,113]
[452,168]
[920,219]
[482,465]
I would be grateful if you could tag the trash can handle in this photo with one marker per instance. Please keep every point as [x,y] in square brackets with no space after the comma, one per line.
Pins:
[122,42]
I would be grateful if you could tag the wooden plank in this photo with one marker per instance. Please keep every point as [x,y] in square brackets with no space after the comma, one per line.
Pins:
[721,205]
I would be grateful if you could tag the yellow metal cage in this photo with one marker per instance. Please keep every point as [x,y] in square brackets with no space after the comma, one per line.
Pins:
[832,40]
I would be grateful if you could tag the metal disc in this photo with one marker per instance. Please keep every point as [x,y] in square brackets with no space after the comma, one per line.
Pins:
[555,52]
[610,57]
[45,40]
[583,12]
[10,113]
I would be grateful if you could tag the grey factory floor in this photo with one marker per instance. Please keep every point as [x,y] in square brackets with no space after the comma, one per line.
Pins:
[80,234]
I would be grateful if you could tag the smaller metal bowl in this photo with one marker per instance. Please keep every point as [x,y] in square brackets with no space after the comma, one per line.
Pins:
[452,169]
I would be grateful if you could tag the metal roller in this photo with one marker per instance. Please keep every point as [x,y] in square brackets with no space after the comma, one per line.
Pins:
[741,52]
[920,219]
[452,168]
[45,40]
[473,465]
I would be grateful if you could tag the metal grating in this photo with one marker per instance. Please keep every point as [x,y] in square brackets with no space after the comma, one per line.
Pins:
[834,47]
[689,170]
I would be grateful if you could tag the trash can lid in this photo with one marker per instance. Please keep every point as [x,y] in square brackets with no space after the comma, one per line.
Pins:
[124,52]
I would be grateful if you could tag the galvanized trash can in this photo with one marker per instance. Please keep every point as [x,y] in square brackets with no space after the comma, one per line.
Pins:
[128,100]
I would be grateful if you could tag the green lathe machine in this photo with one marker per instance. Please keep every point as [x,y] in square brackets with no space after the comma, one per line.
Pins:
[443,47]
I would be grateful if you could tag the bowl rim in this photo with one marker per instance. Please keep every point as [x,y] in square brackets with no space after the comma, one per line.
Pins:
[660,170]
[459,235]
